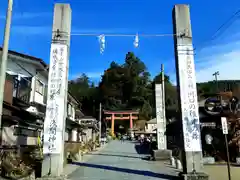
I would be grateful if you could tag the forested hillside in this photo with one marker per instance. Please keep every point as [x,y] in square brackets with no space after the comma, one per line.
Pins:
[129,86]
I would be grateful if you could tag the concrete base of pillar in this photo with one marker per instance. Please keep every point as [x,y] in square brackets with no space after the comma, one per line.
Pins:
[193,176]
[159,155]
[51,166]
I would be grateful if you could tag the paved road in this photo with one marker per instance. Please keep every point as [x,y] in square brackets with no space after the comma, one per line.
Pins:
[120,161]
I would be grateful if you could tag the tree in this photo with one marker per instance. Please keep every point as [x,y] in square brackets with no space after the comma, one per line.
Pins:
[127,86]
[123,87]
[85,92]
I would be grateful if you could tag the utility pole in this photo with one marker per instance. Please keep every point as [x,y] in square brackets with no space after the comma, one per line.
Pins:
[100,122]
[3,65]
[216,74]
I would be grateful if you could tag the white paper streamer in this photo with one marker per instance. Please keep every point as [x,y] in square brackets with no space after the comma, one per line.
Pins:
[101,39]
[136,41]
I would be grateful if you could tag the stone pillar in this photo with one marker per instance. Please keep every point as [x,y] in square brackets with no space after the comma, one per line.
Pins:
[56,111]
[188,103]
[163,119]
[162,153]
[74,135]
[161,124]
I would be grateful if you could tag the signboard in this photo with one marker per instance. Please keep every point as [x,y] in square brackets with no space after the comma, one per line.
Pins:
[188,96]
[161,138]
[224,125]
[54,123]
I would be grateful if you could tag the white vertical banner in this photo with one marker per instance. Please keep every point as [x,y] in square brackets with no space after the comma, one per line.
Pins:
[54,124]
[161,126]
[224,125]
[189,101]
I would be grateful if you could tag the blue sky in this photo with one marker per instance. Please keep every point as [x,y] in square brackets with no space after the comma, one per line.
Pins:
[32,23]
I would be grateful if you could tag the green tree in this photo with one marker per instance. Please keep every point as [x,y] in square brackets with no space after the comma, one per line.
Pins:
[127,86]
[85,92]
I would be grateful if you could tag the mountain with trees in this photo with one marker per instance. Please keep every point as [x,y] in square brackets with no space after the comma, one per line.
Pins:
[128,86]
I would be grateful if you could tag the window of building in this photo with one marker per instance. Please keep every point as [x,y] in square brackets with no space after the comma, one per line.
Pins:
[39,87]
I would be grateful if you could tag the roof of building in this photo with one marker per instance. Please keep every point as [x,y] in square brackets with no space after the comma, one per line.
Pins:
[74,98]
[27,57]
[39,60]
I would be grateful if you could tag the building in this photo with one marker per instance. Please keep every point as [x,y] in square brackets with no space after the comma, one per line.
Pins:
[90,128]
[151,126]
[25,98]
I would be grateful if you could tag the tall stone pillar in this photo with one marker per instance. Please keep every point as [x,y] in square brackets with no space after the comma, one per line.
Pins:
[54,124]
[161,124]
[186,82]
[162,153]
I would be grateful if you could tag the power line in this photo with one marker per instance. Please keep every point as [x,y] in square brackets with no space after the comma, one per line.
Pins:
[221,29]
[226,23]
[216,34]
[122,35]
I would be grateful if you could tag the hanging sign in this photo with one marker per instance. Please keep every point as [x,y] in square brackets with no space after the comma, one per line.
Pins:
[224,125]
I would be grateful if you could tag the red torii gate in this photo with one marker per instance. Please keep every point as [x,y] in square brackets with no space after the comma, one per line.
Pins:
[125,115]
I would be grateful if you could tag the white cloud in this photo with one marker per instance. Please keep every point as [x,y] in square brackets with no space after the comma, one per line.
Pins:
[224,58]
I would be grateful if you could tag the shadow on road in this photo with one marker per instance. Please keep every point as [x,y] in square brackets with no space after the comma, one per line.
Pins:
[120,152]
[130,171]
[142,148]
[114,155]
